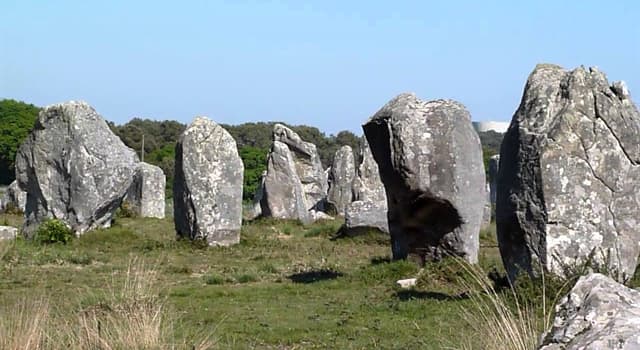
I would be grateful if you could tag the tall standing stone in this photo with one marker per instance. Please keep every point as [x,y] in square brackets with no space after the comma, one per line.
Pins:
[295,185]
[569,176]
[369,209]
[430,161]
[207,190]
[73,168]
[340,180]
[146,195]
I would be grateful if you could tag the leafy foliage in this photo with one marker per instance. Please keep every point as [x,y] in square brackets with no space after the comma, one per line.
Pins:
[16,120]
[54,231]
[255,162]
[491,142]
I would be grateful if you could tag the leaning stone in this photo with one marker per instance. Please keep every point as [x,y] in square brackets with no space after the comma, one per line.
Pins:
[73,169]
[430,162]
[146,195]
[569,176]
[207,190]
[598,313]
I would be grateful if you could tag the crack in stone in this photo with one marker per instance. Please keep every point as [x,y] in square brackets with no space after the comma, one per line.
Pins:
[599,116]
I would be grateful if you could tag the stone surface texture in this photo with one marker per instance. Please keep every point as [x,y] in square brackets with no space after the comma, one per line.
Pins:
[430,162]
[146,194]
[340,180]
[569,180]
[73,168]
[207,190]
[598,313]
[13,198]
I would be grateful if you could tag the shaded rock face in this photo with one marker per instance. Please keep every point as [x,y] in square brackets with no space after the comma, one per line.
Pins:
[146,195]
[598,313]
[369,208]
[73,168]
[568,181]
[430,162]
[295,182]
[207,190]
[14,198]
[340,180]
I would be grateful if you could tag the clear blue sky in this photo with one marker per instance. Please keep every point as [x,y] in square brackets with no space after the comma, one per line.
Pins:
[329,64]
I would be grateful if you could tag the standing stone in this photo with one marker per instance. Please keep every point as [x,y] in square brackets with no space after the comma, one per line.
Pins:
[14,198]
[494,165]
[569,180]
[295,185]
[207,188]
[341,180]
[256,209]
[73,168]
[430,161]
[598,313]
[487,209]
[307,164]
[146,195]
[369,209]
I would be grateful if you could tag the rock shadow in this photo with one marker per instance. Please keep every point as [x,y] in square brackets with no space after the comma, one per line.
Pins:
[409,294]
[314,276]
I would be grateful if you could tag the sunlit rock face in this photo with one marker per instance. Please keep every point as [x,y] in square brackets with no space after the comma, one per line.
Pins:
[73,168]
[207,190]
[430,162]
[568,182]
[340,179]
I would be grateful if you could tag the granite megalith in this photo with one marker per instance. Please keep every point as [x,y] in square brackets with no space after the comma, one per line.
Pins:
[569,176]
[340,179]
[146,194]
[430,162]
[207,189]
[73,168]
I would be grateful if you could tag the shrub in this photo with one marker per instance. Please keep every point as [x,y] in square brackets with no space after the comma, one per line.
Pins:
[53,231]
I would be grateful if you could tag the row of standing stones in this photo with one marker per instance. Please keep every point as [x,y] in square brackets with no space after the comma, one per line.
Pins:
[565,185]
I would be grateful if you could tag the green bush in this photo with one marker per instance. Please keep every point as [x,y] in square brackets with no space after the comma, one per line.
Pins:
[53,231]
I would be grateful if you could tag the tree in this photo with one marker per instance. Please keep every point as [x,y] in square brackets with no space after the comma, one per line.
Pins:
[16,121]
[255,163]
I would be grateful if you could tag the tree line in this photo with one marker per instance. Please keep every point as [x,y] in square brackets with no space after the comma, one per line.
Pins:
[160,137]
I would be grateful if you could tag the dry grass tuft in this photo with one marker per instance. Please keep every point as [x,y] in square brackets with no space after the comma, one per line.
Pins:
[23,325]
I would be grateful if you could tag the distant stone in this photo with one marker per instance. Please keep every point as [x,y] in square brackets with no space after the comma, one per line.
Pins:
[207,190]
[368,211]
[73,169]
[487,210]
[146,195]
[14,198]
[494,165]
[340,180]
[569,175]
[430,162]
[255,210]
[8,232]
[318,215]
[295,182]
[598,313]
[308,166]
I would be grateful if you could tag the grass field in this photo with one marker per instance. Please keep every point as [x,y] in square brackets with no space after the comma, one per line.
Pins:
[285,286]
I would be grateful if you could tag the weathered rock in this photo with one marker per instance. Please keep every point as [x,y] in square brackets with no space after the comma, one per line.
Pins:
[73,168]
[295,181]
[487,210]
[8,232]
[207,189]
[307,164]
[283,195]
[340,180]
[569,180]
[430,161]
[256,209]
[598,313]
[494,165]
[369,210]
[146,194]
[14,198]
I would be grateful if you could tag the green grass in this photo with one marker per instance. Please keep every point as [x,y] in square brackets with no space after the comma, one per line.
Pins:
[284,286]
